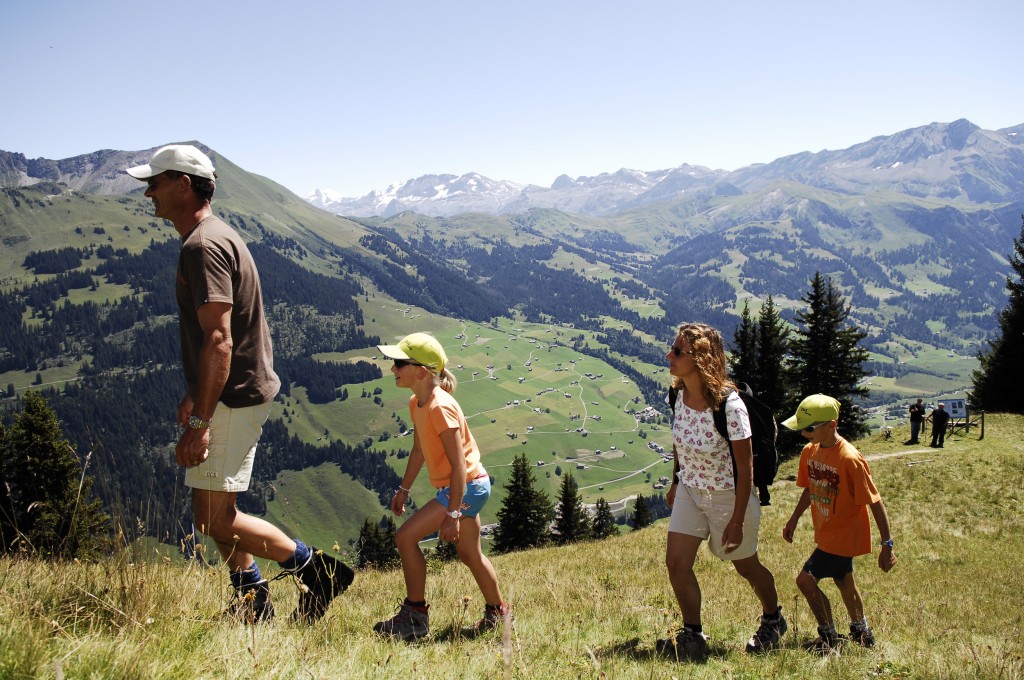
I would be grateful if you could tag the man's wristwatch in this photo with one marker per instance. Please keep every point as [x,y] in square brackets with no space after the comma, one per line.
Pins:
[454,514]
[887,544]
[197,423]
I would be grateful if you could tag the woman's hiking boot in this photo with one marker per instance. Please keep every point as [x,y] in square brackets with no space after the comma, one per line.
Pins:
[768,633]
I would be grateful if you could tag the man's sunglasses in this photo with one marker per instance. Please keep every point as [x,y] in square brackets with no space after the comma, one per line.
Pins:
[676,351]
[402,363]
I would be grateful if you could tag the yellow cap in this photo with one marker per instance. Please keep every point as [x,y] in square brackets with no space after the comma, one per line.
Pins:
[420,348]
[817,408]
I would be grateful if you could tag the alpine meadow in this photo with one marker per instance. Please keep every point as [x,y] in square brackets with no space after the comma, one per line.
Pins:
[895,264]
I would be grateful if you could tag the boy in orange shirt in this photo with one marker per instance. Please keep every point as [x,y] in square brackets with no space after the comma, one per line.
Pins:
[839,490]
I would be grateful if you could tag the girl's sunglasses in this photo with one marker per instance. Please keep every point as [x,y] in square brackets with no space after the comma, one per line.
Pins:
[402,363]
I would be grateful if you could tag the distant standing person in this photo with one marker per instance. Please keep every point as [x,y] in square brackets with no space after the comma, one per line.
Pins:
[228,363]
[712,493]
[940,419]
[441,441]
[839,490]
[916,420]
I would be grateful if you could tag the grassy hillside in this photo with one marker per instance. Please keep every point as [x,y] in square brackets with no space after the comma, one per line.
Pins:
[530,364]
[949,609]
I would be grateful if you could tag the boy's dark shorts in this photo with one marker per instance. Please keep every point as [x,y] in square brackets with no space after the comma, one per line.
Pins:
[822,564]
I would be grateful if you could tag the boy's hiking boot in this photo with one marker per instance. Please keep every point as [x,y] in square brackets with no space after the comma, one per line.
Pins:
[825,644]
[768,633]
[687,644]
[863,636]
[410,623]
[324,579]
[251,604]
[493,617]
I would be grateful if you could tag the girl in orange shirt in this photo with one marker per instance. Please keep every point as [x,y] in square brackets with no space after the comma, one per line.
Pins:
[442,441]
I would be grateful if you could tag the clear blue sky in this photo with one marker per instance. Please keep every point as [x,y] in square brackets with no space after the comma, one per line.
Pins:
[353,96]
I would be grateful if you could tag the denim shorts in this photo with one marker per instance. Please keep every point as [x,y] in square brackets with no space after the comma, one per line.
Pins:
[234,433]
[473,501]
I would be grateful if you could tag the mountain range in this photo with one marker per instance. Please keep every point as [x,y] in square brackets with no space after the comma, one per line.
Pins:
[957,162]
[913,228]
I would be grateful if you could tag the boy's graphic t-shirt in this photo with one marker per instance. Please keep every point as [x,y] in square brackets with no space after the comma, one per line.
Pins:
[841,488]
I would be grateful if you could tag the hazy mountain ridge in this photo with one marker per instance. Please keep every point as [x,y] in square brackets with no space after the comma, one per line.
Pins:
[955,161]
[919,272]
[434,195]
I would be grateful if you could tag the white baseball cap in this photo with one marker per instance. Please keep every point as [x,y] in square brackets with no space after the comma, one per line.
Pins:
[180,157]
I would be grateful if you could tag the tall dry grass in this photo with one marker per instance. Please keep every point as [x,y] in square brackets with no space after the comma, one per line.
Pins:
[952,607]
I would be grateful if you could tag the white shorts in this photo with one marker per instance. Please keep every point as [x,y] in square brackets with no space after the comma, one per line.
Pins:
[705,514]
[234,433]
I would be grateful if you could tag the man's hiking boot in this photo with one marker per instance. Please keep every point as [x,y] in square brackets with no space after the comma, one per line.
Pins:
[865,637]
[768,634]
[492,618]
[687,644]
[324,579]
[251,604]
[410,623]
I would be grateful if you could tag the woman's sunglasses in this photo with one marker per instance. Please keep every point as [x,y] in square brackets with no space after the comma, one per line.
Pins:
[678,352]
[402,363]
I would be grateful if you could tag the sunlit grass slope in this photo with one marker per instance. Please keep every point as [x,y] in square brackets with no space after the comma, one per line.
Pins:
[951,608]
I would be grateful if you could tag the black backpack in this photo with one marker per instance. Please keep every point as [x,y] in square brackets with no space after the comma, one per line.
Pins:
[764,432]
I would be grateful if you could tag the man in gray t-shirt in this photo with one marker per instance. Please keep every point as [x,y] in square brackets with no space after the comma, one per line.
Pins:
[229,369]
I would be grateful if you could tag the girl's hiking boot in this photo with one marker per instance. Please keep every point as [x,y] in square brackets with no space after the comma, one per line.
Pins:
[688,644]
[863,636]
[768,633]
[492,618]
[251,604]
[324,579]
[410,623]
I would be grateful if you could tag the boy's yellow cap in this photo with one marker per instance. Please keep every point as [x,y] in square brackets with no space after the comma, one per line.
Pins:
[817,408]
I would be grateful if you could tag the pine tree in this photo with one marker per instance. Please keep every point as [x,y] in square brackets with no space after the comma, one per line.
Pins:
[46,507]
[445,552]
[375,547]
[772,348]
[826,355]
[367,545]
[389,555]
[759,352]
[641,514]
[997,380]
[525,513]
[572,523]
[603,525]
[743,358]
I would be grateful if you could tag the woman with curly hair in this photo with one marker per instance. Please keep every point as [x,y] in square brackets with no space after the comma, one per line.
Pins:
[712,495]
